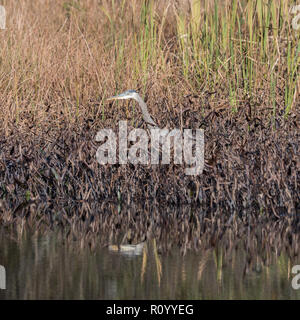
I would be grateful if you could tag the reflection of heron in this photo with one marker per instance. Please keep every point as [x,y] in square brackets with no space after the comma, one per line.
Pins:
[128,249]
[131,94]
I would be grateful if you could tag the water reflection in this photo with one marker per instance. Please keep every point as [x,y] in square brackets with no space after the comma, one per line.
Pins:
[46,267]
[127,249]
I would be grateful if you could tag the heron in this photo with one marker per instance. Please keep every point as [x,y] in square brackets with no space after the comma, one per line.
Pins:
[132,94]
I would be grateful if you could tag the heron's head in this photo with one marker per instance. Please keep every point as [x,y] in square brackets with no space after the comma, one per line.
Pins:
[129,94]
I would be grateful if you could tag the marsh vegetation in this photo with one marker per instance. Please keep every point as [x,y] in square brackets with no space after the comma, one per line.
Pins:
[228,67]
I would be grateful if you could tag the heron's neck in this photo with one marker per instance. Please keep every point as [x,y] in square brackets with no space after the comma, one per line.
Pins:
[146,116]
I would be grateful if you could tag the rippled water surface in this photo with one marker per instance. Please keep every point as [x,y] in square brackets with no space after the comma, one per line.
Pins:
[44,267]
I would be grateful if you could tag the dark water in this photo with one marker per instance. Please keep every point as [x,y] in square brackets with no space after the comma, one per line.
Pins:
[44,267]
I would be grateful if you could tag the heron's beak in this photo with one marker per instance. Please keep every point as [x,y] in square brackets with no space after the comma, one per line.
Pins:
[119,97]
[113,98]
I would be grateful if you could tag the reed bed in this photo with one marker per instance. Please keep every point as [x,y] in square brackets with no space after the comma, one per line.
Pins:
[228,67]
[59,56]
[251,182]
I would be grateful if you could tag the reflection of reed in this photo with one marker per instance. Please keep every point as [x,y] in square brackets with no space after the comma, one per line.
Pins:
[203,263]
[189,228]
[218,259]
[144,264]
[157,262]
[45,267]
[138,249]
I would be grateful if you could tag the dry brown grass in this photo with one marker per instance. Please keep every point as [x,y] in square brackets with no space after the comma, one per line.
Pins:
[57,58]
[61,59]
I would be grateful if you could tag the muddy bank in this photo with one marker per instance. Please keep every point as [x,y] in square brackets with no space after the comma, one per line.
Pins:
[248,192]
[251,165]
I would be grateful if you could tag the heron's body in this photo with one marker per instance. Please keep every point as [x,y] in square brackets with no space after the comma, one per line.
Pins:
[131,94]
